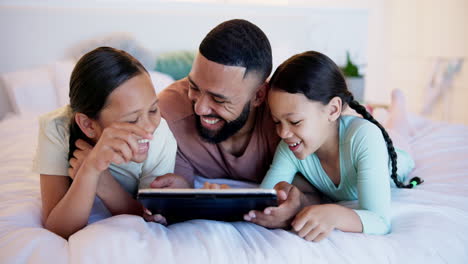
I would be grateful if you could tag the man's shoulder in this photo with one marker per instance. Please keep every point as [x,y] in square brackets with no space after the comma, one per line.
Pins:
[174,102]
[268,127]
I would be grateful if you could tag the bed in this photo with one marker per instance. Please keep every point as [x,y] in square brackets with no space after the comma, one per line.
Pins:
[429,223]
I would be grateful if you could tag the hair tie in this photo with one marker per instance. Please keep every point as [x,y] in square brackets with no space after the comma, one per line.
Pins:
[415,181]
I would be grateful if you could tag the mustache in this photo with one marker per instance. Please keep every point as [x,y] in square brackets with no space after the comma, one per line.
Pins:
[206,116]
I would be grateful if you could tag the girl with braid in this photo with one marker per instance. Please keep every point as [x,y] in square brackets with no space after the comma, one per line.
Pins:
[345,157]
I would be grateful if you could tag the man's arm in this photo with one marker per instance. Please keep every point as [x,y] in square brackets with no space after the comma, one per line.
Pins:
[184,168]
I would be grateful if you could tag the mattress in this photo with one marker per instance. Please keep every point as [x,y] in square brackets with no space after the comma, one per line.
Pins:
[429,223]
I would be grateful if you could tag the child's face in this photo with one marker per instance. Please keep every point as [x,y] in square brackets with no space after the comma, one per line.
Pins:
[301,123]
[134,102]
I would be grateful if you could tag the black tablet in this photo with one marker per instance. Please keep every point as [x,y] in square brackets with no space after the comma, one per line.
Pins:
[216,204]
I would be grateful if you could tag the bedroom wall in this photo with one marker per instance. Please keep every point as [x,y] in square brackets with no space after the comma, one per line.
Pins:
[36,33]
[419,31]
[405,38]
[401,38]
[53,26]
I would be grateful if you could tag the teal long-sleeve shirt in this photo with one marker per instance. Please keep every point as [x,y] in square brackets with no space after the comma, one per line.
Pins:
[364,169]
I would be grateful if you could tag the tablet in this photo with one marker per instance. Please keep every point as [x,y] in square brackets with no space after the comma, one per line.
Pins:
[215,204]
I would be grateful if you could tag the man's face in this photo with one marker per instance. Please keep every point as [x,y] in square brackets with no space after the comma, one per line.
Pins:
[221,97]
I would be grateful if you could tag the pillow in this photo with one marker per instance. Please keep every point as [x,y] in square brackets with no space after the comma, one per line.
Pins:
[5,105]
[30,91]
[119,40]
[61,76]
[62,72]
[160,80]
[43,89]
[177,64]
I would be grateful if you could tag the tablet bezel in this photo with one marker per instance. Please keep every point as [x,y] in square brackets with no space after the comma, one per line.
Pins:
[214,204]
[149,192]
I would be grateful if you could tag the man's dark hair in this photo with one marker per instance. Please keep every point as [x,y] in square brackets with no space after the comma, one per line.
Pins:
[238,42]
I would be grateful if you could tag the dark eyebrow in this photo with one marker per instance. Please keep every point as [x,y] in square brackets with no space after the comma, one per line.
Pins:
[288,114]
[192,82]
[155,102]
[131,113]
[211,93]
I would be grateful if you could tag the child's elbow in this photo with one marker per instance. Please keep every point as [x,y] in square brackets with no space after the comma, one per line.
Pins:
[378,225]
[387,229]
[64,235]
[61,231]
[383,228]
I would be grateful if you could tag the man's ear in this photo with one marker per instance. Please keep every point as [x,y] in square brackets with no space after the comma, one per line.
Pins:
[334,108]
[87,125]
[260,94]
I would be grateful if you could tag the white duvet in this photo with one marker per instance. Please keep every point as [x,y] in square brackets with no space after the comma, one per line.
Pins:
[429,223]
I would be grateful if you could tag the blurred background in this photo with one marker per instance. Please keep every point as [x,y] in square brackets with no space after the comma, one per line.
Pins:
[418,46]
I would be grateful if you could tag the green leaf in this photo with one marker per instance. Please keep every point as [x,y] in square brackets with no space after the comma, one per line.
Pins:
[350,70]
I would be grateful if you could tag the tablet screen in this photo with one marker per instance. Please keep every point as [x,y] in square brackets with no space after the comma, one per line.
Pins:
[216,204]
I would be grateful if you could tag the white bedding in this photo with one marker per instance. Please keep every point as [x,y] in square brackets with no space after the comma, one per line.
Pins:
[430,223]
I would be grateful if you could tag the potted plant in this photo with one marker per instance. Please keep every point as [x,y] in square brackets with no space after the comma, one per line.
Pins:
[354,79]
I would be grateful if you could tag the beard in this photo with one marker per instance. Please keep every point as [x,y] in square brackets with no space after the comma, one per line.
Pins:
[225,132]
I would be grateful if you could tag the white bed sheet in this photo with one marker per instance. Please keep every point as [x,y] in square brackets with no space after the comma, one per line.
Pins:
[430,223]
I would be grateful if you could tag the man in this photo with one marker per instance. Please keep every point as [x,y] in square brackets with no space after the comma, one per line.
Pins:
[218,113]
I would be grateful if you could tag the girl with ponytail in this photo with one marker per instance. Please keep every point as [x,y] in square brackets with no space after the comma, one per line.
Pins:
[107,143]
[345,157]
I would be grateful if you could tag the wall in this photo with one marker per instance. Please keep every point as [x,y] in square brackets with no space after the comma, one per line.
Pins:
[418,32]
[38,33]
[403,39]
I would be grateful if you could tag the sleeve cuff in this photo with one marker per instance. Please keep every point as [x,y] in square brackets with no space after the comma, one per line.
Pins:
[372,223]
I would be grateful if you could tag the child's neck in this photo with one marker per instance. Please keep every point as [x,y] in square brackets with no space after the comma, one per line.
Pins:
[330,149]
[329,155]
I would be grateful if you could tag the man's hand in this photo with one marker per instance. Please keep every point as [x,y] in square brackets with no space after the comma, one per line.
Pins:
[208,185]
[170,181]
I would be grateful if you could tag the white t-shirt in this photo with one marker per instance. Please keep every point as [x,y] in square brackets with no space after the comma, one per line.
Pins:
[52,152]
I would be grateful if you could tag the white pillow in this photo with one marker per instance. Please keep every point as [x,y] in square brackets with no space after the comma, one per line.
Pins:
[5,105]
[43,89]
[160,80]
[62,72]
[30,91]
[120,40]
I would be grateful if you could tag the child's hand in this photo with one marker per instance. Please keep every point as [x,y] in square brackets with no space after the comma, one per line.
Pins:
[149,217]
[117,144]
[81,152]
[208,185]
[289,200]
[315,222]
[170,180]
